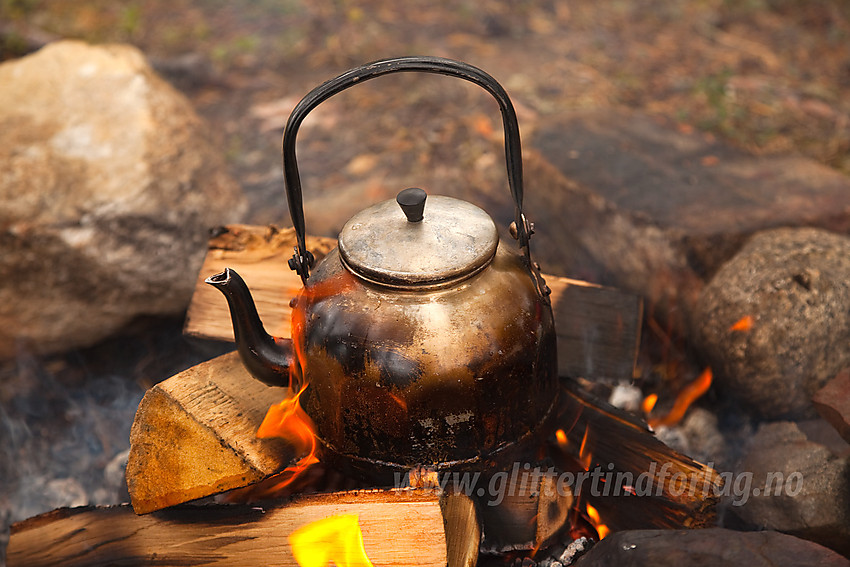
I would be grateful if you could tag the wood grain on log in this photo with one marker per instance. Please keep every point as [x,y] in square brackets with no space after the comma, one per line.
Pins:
[657,487]
[259,254]
[525,519]
[598,327]
[399,528]
[195,435]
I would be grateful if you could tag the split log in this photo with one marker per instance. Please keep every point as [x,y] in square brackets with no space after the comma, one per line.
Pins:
[598,328]
[521,509]
[259,254]
[527,518]
[398,527]
[195,435]
[633,479]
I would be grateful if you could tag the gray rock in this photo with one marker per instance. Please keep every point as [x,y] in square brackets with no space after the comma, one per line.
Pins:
[650,208]
[795,285]
[790,484]
[108,186]
[713,547]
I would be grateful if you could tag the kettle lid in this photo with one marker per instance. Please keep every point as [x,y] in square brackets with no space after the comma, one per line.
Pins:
[413,244]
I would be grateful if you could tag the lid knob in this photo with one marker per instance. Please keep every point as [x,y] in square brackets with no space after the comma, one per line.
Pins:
[412,202]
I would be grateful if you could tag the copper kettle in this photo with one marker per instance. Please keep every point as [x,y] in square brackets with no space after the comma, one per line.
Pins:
[423,339]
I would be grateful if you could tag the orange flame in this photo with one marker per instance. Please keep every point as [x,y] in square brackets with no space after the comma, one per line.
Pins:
[593,515]
[561,438]
[743,324]
[686,397]
[583,455]
[336,539]
[288,421]
[649,403]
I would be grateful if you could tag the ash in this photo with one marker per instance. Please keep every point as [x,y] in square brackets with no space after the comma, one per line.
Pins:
[560,554]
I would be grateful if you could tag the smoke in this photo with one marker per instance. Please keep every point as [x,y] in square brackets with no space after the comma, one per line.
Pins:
[65,420]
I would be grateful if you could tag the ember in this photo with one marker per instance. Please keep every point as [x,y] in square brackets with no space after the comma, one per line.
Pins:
[335,539]
[743,324]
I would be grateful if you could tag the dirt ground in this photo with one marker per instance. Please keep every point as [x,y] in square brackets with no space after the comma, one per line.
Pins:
[769,76]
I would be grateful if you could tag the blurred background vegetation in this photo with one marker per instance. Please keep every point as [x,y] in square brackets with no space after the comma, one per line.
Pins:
[768,76]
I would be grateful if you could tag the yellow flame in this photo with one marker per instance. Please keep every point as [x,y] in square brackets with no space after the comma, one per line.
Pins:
[601,528]
[335,539]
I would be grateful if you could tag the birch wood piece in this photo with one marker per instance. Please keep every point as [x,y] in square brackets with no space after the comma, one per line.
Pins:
[194,435]
[400,528]
[598,327]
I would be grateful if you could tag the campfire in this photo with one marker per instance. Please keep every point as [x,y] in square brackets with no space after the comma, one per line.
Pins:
[213,431]
[312,445]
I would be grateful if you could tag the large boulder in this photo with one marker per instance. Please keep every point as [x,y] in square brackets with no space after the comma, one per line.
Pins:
[648,206]
[109,185]
[773,322]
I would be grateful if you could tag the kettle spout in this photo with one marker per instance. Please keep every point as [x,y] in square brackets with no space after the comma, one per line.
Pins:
[266,358]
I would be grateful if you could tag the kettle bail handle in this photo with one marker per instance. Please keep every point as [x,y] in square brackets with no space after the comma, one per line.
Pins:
[302,260]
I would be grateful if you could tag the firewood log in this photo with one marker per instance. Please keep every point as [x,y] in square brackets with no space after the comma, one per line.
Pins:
[195,435]
[520,509]
[598,327]
[528,518]
[640,482]
[399,528]
[259,254]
